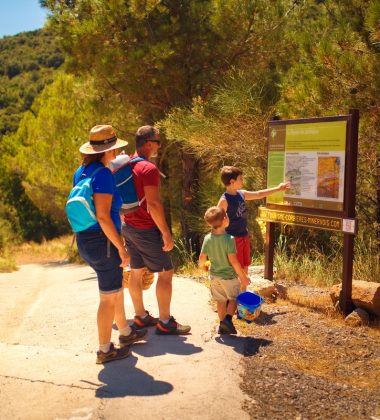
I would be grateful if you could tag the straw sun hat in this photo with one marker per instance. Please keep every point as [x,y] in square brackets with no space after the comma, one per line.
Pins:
[102,138]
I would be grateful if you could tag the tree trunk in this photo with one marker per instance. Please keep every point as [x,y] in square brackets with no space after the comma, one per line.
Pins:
[190,188]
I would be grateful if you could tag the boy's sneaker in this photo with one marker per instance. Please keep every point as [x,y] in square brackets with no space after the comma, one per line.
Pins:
[135,335]
[172,328]
[148,321]
[226,327]
[112,354]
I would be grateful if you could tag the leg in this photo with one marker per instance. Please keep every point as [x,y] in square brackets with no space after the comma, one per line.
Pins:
[231,307]
[105,317]
[136,291]
[164,293]
[226,325]
[221,306]
[121,320]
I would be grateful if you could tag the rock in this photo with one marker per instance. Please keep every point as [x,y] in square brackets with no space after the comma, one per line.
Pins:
[263,287]
[357,318]
[365,295]
[282,290]
[256,270]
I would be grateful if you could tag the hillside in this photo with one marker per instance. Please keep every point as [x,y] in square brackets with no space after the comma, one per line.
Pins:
[27,63]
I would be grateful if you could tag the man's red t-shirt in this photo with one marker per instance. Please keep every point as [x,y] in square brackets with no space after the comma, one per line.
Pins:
[145,173]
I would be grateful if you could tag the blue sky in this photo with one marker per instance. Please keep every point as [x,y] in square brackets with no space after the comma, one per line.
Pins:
[20,15]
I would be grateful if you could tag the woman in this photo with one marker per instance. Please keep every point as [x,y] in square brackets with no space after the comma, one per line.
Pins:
[101,245]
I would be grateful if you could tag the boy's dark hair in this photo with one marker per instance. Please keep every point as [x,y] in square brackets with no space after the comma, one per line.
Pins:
[229,172]
[144,134]
[214,216]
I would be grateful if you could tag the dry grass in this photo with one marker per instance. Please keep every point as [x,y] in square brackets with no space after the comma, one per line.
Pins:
[325,348]
[328,361]
[47,251]
[7,263]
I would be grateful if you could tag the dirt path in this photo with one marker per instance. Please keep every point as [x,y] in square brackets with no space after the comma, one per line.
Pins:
[48,341]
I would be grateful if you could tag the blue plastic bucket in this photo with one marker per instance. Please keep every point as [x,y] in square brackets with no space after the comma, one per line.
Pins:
[248,306]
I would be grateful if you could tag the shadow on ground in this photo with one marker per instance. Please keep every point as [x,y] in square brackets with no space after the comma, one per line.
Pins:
[247,346]
[267,319]
[122,379]
[158,345]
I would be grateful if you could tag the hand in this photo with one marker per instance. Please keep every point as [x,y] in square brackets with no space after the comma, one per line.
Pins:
[168,242]
[245,281]
[284,185]
[124,256]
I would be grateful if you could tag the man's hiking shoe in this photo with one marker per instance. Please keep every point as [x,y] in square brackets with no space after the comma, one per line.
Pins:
[148,321]
[135,335]
[112,354]
[226,327]
[172,328]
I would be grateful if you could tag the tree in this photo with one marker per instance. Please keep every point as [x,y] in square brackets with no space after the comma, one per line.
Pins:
[157,55]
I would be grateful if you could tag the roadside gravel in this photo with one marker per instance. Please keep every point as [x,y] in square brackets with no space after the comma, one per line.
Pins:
[301,364]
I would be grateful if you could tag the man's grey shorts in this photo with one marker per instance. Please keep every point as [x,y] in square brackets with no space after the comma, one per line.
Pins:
[144,247]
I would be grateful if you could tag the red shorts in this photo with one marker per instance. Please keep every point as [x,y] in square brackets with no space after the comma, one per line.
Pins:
[243,251]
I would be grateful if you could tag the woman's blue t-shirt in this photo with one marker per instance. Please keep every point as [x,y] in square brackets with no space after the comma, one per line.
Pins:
[103,183]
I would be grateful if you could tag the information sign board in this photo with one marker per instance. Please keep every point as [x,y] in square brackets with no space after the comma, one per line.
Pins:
[311,155]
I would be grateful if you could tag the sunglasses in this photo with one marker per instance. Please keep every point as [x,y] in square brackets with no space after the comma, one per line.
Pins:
[156,141]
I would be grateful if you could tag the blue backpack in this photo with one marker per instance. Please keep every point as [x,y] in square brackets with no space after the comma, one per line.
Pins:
[80,209]
[122,172]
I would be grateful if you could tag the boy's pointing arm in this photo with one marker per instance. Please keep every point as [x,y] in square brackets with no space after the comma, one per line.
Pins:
[257,195]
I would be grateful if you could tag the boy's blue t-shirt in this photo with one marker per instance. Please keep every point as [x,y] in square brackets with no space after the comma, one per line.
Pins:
[237,213]
[217,248]
[103,183]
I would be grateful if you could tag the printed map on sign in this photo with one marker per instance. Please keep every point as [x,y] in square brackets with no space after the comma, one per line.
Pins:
[311,156]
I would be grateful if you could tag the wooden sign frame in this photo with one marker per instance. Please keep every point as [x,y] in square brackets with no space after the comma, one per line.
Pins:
[341,220]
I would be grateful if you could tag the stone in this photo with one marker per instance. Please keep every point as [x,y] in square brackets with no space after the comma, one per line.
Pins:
[365,295]
[282,291]
[357,318]
[256,270]
[263,287]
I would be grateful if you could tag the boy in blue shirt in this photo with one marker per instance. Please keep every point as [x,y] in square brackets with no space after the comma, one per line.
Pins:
[233,202]
[225,271]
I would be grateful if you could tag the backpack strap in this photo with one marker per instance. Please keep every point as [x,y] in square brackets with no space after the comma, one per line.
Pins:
[84,175]
[139,158]
[135,160]
[94,172]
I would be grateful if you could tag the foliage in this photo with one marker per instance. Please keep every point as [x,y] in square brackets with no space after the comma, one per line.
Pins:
[156,54]
[325,60]
[336,69]
[323,267]
[51,133]
[210,73]
[27,63]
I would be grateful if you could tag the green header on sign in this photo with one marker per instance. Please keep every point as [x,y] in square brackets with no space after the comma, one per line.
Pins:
[316,137]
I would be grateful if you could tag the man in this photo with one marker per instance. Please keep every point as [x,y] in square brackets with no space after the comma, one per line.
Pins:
[148,238]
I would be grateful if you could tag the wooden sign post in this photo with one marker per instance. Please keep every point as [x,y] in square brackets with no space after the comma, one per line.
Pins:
[319,157]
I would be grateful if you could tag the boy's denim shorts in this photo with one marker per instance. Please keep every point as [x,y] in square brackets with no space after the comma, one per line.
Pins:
[144,247]
[101,255]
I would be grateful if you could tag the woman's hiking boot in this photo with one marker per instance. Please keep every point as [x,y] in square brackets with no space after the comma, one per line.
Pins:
[135,335]
[112,354]
[172,327]
[148,321]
